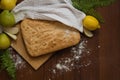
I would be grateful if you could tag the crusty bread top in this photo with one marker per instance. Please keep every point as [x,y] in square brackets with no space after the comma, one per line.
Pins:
[42,36]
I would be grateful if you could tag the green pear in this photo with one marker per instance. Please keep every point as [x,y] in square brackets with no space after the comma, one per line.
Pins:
[7,19]
[4,41]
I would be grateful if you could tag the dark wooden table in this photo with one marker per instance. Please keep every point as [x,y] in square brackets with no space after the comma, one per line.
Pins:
[100,61]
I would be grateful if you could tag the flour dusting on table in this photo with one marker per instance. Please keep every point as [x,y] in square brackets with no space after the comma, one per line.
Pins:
[18,60]
[69,63]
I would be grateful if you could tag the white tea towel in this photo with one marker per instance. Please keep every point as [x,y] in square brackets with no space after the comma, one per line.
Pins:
[54,10]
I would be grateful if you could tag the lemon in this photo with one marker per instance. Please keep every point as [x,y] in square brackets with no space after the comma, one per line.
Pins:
[13,36]
[12,30]
[88,33]
[7,19]
[4,41]
[91,23]
[8,4]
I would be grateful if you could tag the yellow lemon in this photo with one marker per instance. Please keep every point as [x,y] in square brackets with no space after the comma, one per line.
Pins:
[4,41]
[8,4]
[91,23]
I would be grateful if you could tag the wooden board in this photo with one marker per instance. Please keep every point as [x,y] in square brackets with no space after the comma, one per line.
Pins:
[35,62]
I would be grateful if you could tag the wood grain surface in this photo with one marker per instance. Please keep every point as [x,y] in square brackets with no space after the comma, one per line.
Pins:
[101,63]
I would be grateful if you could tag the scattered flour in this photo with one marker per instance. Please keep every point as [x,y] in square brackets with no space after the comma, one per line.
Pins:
[72,62]
[49,79]
[63,64]
[99,46]
[61,67]
[19,62]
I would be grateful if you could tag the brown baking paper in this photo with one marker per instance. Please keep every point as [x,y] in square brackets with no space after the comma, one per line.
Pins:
[35,62]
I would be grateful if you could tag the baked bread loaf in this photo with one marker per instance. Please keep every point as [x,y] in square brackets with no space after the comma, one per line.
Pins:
[42,36]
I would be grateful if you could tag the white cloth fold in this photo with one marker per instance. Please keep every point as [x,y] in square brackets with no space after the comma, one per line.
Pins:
[54,10]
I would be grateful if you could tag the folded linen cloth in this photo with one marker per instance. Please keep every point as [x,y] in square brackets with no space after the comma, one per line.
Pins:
[54,10]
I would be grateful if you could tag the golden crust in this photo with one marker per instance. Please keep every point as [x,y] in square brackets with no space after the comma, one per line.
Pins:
[42,36]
